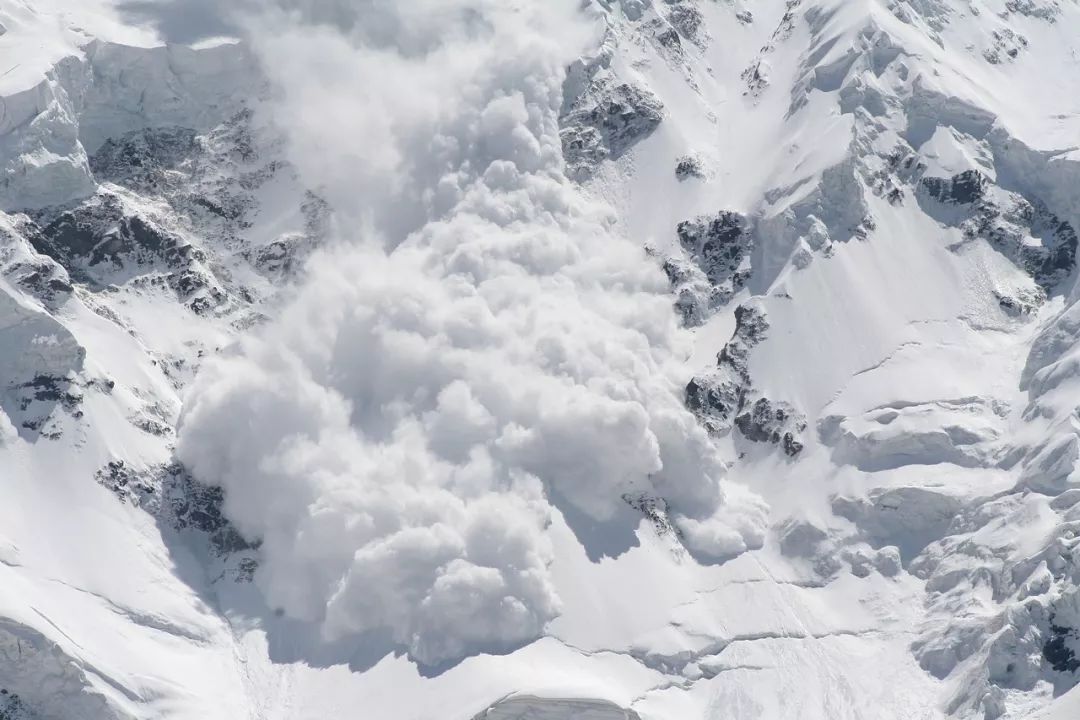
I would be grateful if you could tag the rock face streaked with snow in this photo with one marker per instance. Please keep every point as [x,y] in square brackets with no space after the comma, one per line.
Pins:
[626,359]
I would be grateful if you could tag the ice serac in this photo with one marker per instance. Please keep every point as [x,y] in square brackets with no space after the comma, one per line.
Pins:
[41,681]
[466,324]
[42,161]
[537,708]
[101,90]
[169,85]
[38,365]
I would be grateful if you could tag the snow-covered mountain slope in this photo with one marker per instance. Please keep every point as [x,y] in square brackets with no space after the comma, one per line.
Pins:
[482,359]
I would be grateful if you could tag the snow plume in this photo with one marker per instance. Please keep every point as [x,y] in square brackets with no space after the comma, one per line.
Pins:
[477,347]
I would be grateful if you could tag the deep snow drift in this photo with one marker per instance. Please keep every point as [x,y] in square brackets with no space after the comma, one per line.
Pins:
[481,359]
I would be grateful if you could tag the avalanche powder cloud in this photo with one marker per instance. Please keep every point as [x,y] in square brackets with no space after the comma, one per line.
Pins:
[476,349]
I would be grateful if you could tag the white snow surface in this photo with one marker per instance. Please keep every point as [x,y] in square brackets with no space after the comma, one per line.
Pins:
[339,370]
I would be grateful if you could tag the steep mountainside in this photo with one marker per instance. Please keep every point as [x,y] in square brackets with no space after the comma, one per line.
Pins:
[514,359]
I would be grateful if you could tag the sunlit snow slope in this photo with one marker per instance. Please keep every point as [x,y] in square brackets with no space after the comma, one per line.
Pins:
[506,359]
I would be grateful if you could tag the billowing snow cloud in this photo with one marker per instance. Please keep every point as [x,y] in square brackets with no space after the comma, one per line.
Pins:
[478,342]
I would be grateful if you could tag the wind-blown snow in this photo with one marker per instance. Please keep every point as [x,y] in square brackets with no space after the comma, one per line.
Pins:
[479,347]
